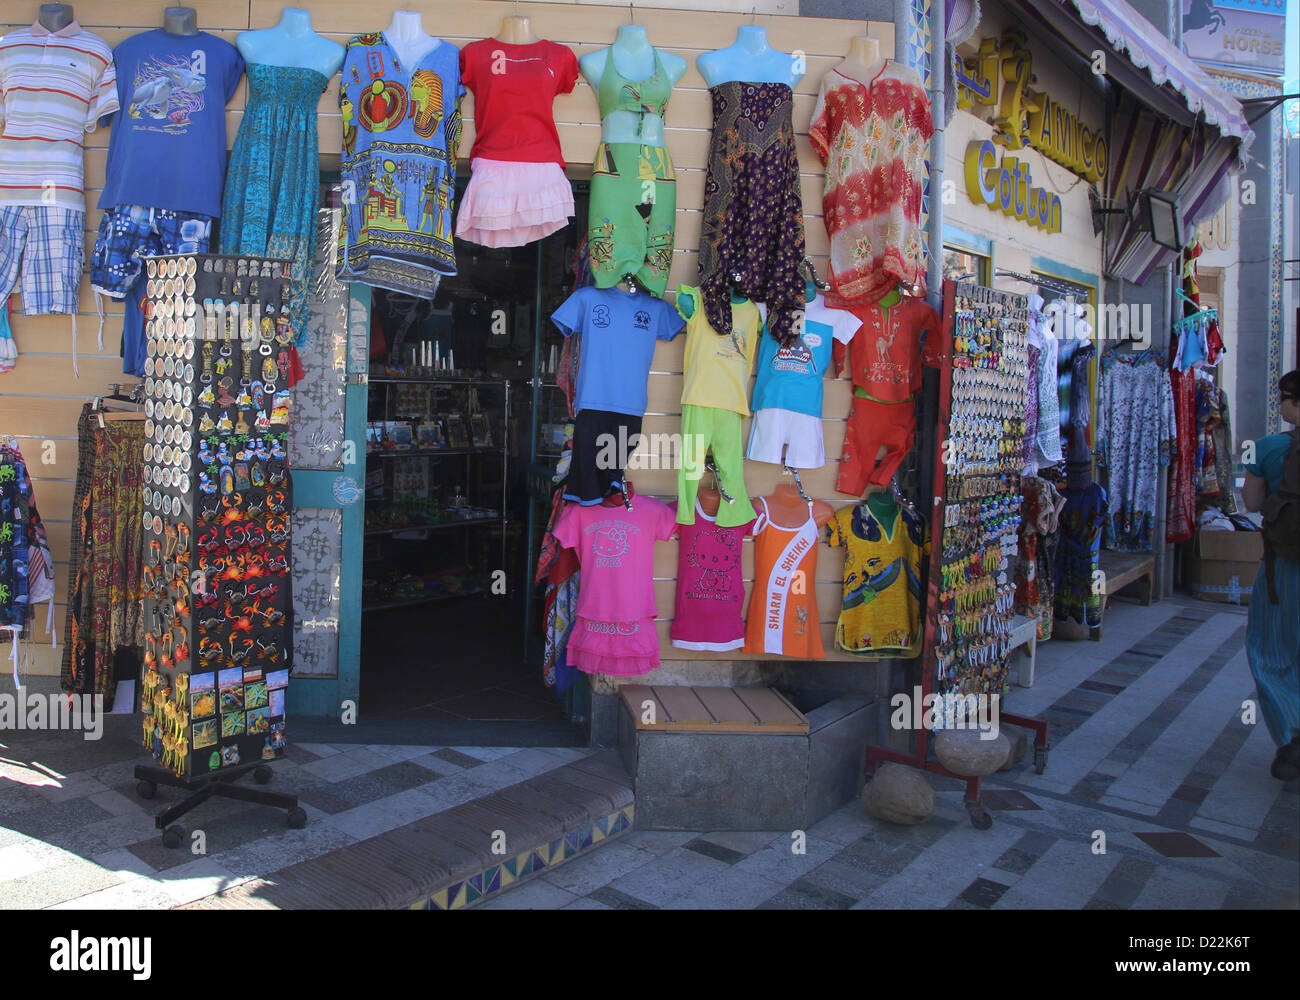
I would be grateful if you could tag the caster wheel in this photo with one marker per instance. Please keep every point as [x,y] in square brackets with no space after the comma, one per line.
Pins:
[261,775]
[146,789]
[297,819]
[1040,759]
[173,835]
[980,818]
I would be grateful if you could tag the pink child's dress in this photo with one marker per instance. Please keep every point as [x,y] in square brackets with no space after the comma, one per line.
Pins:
[614,630]
[710,602]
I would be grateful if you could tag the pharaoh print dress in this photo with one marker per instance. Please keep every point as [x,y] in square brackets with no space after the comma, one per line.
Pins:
[401,128]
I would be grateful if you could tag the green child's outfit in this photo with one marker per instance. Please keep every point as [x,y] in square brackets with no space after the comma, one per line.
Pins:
[633,206]
[715,399]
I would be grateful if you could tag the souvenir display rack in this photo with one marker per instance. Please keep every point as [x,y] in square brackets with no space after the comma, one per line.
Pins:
[218,606]
[976,519]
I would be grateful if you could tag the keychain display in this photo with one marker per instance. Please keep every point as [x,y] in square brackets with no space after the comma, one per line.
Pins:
[217,498]
[981,515]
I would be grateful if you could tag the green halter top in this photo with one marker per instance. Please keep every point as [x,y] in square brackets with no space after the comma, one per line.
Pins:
[641,97]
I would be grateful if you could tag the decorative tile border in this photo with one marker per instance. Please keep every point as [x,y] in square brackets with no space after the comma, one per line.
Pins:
[543,857]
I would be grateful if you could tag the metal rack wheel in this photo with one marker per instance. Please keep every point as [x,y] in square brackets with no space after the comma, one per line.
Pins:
[173,835]
[146,789]
[1040,758]
[980,818]
[297,818]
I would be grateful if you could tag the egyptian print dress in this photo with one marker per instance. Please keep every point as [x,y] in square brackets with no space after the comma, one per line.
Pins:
[401,127]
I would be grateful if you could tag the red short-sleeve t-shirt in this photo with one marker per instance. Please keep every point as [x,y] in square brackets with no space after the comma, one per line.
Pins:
[513,87]
[885,356]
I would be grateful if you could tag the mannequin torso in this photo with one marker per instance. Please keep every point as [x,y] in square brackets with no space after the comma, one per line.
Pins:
[180,21]
[54,16]
[291,43]
[408,38]
[516,30]
[789,510]
[750,60]
[864,49]
[709,499]
[634,58]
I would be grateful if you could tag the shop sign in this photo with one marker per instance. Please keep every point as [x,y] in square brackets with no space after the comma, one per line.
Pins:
[1007,187]
[1237,34]
[999,77]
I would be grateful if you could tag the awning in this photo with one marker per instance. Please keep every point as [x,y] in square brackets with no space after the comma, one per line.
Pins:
[1173,128]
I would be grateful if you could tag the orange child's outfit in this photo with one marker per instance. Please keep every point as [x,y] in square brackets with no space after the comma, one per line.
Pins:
[885,360]
[782,619]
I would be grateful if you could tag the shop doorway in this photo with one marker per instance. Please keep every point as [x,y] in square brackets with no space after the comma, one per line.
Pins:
[461,405]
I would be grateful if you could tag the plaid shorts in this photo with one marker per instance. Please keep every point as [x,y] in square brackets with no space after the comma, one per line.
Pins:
[131,232]
[51,244]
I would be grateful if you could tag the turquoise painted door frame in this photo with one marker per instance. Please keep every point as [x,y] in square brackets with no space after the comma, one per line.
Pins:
[344,491]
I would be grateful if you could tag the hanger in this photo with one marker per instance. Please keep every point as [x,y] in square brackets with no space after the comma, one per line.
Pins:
[711,466]
[753,14]
[798,483]
[810,272]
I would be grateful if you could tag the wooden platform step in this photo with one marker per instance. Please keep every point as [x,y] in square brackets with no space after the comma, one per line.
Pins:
[690,709]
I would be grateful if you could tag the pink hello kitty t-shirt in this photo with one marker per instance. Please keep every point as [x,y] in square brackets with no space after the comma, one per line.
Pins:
[614,630]
[710,585]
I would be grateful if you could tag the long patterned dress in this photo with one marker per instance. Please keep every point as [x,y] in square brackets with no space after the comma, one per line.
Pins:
[1036,566]
[1182,475]
[753,210]
[1081,518]
[273,181]
[1135,437]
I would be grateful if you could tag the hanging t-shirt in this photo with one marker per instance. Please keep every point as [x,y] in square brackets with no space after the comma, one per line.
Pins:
[782,618]
[709,611]
[717,368]
[619,330]
[885,356]
[790,378]
[513,87]
[168,147]
[614,631]
[880,615]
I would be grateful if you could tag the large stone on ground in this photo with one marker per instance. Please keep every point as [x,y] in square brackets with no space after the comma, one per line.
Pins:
[898,794]
[962,751]
[1019,745]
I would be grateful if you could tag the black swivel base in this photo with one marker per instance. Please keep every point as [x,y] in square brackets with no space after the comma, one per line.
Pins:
[222,785]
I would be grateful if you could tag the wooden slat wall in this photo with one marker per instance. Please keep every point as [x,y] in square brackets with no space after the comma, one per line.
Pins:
[40,400]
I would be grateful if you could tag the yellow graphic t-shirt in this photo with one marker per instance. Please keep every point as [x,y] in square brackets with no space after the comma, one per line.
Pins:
[880,616]
[718,368]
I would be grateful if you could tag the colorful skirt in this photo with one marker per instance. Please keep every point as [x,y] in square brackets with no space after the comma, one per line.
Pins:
[513,204]
[632,217]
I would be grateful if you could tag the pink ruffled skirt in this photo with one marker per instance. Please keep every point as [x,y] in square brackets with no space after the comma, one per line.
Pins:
[620,648]
[512,204]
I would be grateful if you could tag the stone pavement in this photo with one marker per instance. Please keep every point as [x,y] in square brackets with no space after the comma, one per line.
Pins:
[1148,750]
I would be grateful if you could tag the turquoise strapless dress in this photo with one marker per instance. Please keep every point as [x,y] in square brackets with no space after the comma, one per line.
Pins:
[273,181]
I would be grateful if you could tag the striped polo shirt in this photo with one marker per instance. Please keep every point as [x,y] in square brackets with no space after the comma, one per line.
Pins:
[53,89]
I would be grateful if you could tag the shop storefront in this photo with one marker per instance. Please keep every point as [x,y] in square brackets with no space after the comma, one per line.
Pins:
[477,517]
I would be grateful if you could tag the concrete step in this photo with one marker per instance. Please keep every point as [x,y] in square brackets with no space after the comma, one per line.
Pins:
[461,856]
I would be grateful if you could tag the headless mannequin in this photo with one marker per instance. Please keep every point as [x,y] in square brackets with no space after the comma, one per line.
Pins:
[864,50]
[634,58]
[709,499]
[55,16]
[787,509]
[516,30]
[180,21]
[749,59]
[291,43]
[407,37]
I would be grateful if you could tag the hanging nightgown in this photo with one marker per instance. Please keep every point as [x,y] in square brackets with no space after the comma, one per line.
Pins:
[1135,436]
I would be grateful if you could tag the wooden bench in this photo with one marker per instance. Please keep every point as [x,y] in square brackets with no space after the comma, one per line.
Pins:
[1123,568]
[1024,635]
[668,708]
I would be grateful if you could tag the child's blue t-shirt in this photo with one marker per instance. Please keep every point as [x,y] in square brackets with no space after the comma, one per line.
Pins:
[619,330]
[790,378]
[168,147]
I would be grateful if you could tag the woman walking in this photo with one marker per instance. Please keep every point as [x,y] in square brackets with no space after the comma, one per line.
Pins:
[1273,630]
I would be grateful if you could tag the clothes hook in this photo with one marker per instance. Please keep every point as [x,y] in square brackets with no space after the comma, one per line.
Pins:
[798,483]
[631,13]
[752,14]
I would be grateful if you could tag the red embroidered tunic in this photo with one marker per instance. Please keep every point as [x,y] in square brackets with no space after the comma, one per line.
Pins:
[871,127]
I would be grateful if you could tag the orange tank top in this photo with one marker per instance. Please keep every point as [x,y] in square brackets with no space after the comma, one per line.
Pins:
[782,618]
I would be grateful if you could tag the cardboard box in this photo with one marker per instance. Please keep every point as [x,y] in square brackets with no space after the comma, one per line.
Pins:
[1222,565]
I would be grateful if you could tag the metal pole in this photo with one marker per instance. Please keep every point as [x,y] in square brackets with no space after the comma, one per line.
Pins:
[938,113]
